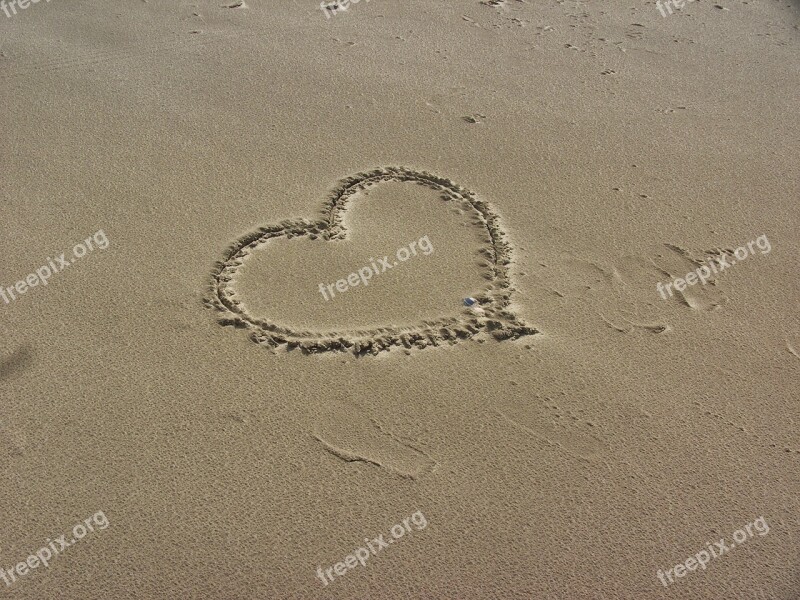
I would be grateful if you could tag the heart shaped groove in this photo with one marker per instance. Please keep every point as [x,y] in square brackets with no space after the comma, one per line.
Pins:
[498,319]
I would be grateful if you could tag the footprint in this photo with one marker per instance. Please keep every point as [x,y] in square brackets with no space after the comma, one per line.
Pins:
[496,320]
[674,262]
[632,281]
[349,434]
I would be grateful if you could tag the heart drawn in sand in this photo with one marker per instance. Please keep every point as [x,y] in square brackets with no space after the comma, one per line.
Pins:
[495,318]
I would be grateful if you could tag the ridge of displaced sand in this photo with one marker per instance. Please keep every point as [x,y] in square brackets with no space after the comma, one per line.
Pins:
[499,320]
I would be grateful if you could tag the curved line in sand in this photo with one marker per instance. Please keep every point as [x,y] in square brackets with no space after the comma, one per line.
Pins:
[499,319]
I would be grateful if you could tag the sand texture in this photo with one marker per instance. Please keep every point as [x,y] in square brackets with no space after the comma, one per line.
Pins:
[239,356]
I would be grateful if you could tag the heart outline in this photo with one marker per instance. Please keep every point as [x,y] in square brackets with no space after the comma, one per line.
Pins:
[500,321]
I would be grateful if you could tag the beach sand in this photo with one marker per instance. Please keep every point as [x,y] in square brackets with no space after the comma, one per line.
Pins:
[574,437]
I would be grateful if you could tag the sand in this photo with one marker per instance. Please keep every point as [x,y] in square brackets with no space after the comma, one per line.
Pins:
[206,425]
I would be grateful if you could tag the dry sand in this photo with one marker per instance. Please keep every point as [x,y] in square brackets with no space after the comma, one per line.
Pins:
[615,434]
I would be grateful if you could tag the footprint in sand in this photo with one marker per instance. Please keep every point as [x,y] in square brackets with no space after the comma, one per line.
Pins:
[627,287]
[347,433]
